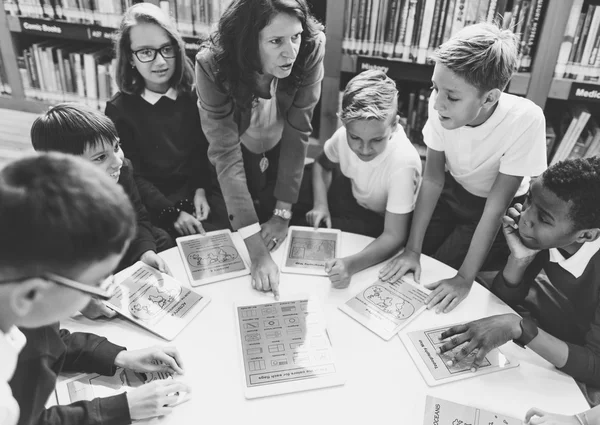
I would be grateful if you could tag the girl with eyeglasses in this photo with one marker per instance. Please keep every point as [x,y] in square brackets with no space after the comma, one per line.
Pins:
[157,120]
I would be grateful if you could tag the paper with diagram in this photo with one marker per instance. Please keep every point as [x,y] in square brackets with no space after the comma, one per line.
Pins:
[443,412]
[435,368]
[385,307]
[90,386]
[285,348]
[155,300]
[307,250]
[211,257]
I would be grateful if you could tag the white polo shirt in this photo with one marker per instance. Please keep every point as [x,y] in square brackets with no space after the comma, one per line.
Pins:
[11,344]
[512,141]
[389,182]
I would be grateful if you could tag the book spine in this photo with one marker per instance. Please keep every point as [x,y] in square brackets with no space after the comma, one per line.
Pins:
[574,46]
[491,14]
[582,42]
[532,39]
[448,21]
[458,21]
[380,33]
[399,42]
[409,29]
[426,30]
[391,28]
[348,26]
[589,45]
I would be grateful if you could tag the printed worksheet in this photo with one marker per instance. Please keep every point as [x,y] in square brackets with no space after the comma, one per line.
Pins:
[435,368]
[154,300]
[211,257]
[385,307]
[285,348]
[307,250]
[443,412]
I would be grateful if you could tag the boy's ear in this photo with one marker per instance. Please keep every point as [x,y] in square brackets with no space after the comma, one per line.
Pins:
[492,97]
[27,295]
[588,235]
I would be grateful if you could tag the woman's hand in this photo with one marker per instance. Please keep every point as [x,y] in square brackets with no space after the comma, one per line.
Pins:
[201,205]
[265,274]
[274,232]
[187,224]
[153,359]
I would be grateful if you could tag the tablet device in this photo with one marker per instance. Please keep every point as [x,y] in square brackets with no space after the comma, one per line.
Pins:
[285,347]
[422,346]
[155,301]
[211,257]
[307,250]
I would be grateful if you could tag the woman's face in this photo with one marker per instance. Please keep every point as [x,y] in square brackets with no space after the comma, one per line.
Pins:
[278,45]
[146,39]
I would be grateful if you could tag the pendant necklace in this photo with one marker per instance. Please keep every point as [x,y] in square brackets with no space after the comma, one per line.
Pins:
[264,163]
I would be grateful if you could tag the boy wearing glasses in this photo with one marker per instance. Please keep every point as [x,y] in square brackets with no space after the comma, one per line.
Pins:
[65,226]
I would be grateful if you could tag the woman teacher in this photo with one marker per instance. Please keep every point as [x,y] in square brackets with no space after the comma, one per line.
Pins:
[258,81]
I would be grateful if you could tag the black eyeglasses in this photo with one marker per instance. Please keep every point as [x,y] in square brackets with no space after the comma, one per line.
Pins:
[104,291]
[148,54]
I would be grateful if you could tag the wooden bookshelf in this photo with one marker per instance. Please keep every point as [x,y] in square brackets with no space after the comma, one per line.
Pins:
[539,85]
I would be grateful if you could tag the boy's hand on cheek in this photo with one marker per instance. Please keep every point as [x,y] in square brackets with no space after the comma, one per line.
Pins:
[448,293]
[510,227]
[154,260]
[338,272]
[152,359]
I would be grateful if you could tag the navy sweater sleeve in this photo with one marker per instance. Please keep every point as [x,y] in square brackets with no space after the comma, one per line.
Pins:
[48,351]
[144,239]
[152,197]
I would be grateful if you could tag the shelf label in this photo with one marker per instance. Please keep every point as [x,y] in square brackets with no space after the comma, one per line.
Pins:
[587,92]
[396,69]
[67,30]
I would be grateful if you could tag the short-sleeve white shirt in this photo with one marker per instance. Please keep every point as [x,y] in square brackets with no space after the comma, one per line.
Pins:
[512,141]
[11,344]
[389,182]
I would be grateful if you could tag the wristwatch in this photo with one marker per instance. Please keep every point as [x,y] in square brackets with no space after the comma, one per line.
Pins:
[282,213]
[529,330]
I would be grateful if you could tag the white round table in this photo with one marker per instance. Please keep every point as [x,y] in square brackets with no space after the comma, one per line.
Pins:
[382,383]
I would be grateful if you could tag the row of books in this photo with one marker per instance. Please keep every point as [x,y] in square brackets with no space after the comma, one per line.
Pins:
[580,135]
[578,57]
[68,72]
[4,85]
[193,17]
[410,30]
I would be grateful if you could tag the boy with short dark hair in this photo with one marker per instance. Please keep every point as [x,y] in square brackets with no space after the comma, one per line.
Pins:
[368,174]
[82,131]
[490,143]
[557,231]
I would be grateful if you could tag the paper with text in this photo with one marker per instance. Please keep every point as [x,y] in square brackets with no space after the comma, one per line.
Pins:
[443,412]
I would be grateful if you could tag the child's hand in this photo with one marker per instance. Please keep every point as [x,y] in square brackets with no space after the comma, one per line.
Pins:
[339,275]
[510,227]
[317,215]
[153,359]
[187,224]
[154,260]
[154,399]
[96,309]
[401,264]
[448,293]
[480,336]
[201,205]
[542,417]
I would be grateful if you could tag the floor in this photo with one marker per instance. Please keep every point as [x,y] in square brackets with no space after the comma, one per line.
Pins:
[14,134]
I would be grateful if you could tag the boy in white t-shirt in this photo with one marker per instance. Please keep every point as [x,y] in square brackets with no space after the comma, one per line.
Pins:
[379,175]
[489,142]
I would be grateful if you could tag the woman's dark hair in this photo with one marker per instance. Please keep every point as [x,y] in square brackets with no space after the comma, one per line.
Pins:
[235,44]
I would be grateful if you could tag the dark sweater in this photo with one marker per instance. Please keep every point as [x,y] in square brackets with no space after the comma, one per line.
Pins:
[564,306]
[144,239]
[166,145]
[48,352]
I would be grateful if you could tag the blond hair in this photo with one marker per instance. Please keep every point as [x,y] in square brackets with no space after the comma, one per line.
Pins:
[483,54]
[371,95]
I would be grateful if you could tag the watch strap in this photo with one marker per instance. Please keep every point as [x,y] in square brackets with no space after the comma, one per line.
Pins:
[529,330]
[282,213]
